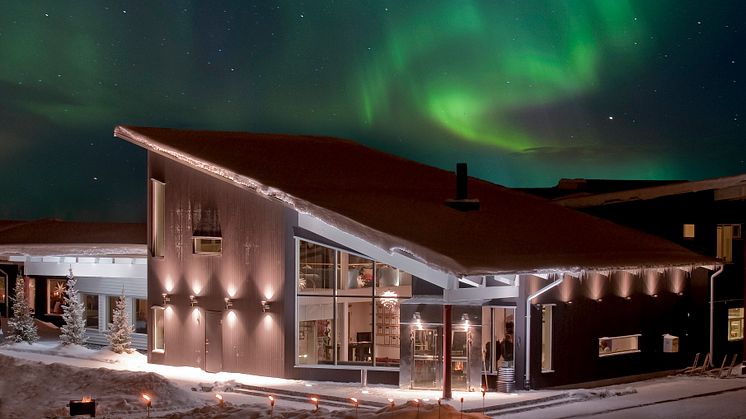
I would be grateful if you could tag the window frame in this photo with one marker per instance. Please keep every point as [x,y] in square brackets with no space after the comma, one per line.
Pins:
[636,349]
[550,333]
[156,325]
[198,249]
[157,218]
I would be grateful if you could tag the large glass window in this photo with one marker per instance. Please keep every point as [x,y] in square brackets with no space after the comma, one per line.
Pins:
[158,217]
[348,308]
[159,331]
[90,302]
[55,295]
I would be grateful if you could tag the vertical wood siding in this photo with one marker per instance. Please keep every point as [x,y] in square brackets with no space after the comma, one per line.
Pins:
[251,268]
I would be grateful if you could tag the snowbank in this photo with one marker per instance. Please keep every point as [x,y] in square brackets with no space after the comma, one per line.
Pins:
[45,390]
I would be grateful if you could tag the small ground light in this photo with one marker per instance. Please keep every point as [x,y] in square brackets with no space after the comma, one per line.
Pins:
[391,402]
[271,405]
[417,403]
[148,403]
[484,391]
[462,407]
[439,408]
[355,403]
[315,402]
[221,402]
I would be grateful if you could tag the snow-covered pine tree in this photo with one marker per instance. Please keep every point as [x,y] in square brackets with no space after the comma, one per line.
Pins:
[73,313]
[120,329]
[21,327]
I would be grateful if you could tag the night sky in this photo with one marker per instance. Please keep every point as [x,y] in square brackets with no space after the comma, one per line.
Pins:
[526,92]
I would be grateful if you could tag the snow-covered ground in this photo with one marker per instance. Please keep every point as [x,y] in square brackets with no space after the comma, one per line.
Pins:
[39,380]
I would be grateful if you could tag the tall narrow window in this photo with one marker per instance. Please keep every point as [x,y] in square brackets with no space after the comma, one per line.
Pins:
[688,231]
[725,242]
[159,331]
[546,337]
[158,214]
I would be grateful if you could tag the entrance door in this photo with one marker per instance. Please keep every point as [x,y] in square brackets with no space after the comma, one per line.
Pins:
[427,363]
[213,341]
[498,337]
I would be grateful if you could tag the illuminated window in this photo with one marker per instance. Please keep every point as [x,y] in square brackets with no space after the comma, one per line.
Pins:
[141,315]
[159,331]
[735,323]
[90,302]
[158,217]
[546,337]
[725,242]
[688,231]
[348,308]
[618,345]
[207,245]
[55,295]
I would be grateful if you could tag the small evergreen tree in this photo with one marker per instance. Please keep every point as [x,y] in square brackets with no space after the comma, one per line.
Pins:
[73,313]
[21,327]
[120,329]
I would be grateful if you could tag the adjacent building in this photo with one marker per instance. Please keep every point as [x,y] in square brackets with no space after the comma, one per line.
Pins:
[107,259]
[319,258]
[705,216]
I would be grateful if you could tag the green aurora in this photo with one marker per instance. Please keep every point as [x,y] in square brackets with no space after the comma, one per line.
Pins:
[526,92]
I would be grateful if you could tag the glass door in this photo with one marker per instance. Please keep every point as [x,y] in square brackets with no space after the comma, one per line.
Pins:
[427,358]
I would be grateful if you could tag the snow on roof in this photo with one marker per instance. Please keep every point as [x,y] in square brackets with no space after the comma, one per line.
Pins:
[64,238]
[399,205]
[723,183]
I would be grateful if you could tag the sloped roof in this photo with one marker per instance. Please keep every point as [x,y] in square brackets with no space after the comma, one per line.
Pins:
[56,237]
[398,204]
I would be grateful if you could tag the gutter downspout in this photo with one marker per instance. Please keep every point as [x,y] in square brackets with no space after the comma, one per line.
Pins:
[527,384]
[712,310]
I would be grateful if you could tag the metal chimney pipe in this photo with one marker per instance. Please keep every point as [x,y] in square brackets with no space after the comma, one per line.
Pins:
[462,181]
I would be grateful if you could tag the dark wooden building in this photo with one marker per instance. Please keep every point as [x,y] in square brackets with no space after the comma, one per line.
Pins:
[319,258]
[705,216]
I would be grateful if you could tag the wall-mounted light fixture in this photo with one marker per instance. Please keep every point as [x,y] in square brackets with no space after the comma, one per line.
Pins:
[166,299]
[228,303]
[266,305]
[192,300]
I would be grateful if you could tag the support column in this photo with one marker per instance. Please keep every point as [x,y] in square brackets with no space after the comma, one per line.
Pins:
[447,326]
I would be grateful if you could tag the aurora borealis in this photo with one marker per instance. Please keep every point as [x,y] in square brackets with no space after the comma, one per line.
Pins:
[526,92]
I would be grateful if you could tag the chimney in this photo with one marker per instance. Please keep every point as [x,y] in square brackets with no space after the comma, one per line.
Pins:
[462,201]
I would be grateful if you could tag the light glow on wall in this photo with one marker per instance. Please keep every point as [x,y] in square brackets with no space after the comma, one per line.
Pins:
[651,280]
[677,280]
[196,314]
[565,289]
[231,291]
[624,284]
[597,284]
[232,318]
[196,287]
[269,292]
[268,323]
[169,284]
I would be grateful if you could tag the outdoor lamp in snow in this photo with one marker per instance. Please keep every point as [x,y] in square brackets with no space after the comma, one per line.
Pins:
[86,406]
[221,402]
[271,405]
[354,403]
[315,402]
[148,403]
[391,402]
